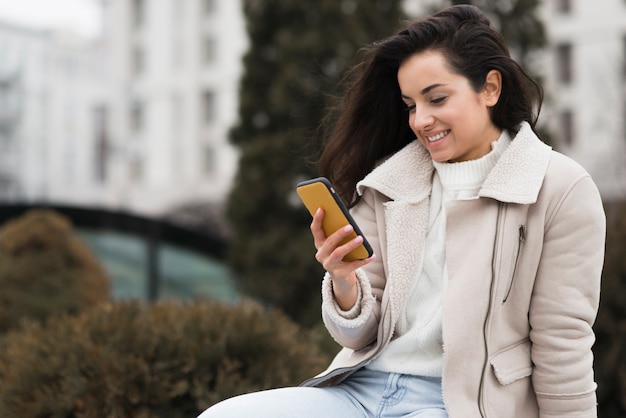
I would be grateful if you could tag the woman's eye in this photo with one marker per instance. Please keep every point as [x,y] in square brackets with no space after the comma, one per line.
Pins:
[438,100]
[410,108]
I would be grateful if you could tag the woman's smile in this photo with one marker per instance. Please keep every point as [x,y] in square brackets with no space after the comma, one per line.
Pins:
[435,138]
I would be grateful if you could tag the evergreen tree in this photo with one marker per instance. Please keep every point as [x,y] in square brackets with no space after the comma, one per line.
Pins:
[298,53]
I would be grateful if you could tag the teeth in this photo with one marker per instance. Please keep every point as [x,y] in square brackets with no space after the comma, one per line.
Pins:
[437,137]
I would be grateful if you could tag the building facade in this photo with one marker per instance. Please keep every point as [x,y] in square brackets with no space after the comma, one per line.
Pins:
[51,100]
[136,121]
[139,121]
[175,70]
[585,82]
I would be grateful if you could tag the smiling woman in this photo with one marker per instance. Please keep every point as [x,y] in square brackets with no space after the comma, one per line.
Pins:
[486,242]
[80,16]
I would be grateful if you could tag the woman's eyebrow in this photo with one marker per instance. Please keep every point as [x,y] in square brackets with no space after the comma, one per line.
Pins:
[429,88]
[424,91]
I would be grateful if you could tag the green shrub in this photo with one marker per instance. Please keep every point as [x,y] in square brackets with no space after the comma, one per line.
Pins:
[610,328]
[164,360]
[45,270]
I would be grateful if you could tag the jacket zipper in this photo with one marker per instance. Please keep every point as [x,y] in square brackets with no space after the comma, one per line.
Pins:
[481,401]
[521,239]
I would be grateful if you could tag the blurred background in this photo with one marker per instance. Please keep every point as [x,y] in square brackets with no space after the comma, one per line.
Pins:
[171,134]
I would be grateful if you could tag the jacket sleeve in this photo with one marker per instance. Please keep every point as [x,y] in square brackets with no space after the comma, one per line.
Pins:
[565,302]
[358,327]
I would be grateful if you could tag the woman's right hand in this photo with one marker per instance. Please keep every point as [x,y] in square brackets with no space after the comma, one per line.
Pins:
[330,255]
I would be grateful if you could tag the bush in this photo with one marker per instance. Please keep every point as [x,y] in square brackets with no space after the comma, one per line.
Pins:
[610,328]
[164,360]
[45,270]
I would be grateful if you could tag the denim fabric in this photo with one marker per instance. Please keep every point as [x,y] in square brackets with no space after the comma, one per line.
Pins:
[365,394]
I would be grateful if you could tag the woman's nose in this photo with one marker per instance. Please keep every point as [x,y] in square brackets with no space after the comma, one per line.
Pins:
[422,120]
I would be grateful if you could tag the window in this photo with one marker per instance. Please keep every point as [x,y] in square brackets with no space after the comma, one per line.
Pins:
[210,51]
[138,61]
[178,11]
[138,12]
[136,117]
[178,52]
[209,160]
[5,100]
[177,34]
[566,128]
[208,107]
[564,63]
[209,6]
[135,169]
[624,57]
[176,111]
[624,118]
[100,116]
[564,6]
[68,66]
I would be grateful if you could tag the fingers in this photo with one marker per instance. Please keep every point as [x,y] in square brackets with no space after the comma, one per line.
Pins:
[327,245]
[331,251]
[316,228]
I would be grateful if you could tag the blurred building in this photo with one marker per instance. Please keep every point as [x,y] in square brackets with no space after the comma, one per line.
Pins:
[174,69]
[585,70]
[51,104]
[139,121]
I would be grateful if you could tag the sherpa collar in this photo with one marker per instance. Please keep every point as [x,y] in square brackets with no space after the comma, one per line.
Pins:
[516,178]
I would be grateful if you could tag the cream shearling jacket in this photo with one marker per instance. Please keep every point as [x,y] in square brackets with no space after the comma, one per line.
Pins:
[524,261]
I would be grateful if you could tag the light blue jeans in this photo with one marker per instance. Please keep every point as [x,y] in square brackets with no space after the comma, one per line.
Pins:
[365,394]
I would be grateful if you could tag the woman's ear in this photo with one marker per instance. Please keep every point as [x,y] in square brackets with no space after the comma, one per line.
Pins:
[493,88]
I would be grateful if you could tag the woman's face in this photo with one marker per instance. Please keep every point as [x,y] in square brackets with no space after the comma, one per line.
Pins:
[449,118]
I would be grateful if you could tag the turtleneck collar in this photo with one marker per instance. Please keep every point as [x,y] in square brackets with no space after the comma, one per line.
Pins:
[516,178]
[472,173]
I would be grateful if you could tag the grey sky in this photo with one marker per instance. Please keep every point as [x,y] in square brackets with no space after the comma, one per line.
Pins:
[81,16]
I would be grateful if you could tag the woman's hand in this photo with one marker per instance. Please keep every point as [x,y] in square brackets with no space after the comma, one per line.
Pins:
[330,255]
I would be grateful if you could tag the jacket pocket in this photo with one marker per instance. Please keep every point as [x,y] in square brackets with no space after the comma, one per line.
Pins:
[513,363]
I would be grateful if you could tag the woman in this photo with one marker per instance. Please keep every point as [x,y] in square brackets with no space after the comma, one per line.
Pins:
[480,298]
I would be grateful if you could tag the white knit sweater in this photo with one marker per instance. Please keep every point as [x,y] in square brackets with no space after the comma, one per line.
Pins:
[417,346]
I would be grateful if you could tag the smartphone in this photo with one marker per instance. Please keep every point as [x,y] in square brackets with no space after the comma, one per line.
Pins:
[319,193]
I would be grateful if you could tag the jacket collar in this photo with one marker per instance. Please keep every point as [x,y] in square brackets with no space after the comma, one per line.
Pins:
[516,178]
[406,175]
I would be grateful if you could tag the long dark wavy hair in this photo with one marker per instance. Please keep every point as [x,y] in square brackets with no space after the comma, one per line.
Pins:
[371,123]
